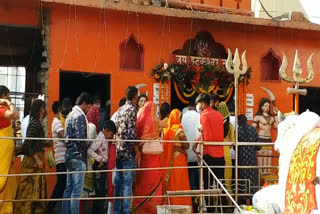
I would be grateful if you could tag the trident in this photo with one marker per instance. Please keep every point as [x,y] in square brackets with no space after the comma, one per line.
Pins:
[296,78]
[233,67]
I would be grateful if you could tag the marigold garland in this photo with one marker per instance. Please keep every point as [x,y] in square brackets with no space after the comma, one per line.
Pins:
[192,93]
[179,95]
[197,78]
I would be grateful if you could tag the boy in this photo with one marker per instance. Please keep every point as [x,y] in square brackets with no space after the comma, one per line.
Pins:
[99,152]
[59,155]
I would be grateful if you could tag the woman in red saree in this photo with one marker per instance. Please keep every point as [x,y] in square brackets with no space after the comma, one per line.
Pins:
[175,155]
[148,182]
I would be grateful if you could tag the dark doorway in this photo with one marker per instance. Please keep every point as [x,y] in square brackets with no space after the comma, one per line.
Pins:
[175,101]
[311,101]
[72,84]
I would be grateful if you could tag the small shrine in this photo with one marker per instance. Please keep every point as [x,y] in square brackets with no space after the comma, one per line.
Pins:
[199,67]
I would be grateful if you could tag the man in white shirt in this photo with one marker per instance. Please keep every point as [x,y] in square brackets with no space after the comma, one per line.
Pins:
[190,122]
[121,103]
[59,156]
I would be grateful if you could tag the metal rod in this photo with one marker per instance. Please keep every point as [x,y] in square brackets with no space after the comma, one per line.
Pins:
[194,192]
[104,198]
[207,143]
[116,198]
[236,135]
[201,170]
[129,170]
[296,99]
[221,185]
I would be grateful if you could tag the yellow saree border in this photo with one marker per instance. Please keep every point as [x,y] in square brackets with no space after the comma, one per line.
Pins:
[8,185]
[300,191]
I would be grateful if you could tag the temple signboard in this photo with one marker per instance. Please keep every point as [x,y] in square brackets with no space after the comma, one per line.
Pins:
[195,60]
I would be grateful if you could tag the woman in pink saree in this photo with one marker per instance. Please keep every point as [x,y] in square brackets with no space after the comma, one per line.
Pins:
[148,182]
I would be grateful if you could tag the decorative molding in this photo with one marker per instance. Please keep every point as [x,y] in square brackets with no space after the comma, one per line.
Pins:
[178,13]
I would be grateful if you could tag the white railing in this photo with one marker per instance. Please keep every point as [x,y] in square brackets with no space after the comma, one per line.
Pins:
[201,193]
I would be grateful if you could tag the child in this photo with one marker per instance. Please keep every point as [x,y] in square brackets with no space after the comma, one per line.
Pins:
[99,152]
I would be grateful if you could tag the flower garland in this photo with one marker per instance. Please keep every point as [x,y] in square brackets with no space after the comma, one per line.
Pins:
[197,78]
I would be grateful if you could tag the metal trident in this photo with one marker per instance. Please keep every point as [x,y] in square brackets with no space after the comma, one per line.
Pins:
[233,67]
[297,77]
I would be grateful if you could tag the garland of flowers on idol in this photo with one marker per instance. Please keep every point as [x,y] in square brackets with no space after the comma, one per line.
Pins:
[190,79]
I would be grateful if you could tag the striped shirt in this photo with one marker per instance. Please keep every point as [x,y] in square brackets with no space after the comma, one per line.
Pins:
[59,146]
[99,149]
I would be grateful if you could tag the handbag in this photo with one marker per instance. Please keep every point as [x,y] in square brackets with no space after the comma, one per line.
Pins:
[152,147]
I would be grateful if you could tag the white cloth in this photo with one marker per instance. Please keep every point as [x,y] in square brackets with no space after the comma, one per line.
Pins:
[232,120]
[110,207]
[59,146]
[190,122]
[92,131]
[290,132]
[114,116]
[266,196]
[184,110]
[233,153]
[24,125]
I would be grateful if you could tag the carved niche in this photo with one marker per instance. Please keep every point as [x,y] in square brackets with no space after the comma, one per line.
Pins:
[131,55]
[270,64]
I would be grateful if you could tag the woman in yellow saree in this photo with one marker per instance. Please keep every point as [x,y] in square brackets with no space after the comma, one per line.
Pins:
[175,155]
[228,137]
[8,185]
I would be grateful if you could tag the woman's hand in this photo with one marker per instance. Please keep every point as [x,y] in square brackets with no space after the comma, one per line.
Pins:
[40,164]
[138,155]
[5,102]
[38,161]
[11,113]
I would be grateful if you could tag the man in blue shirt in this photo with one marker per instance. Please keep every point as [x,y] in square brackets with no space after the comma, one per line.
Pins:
[76,153]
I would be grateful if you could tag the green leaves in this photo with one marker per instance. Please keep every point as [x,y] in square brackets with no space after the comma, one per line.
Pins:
[202,76]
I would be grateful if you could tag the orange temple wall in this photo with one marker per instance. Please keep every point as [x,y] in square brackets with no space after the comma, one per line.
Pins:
[74,47]
[20,13]
[88,40]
